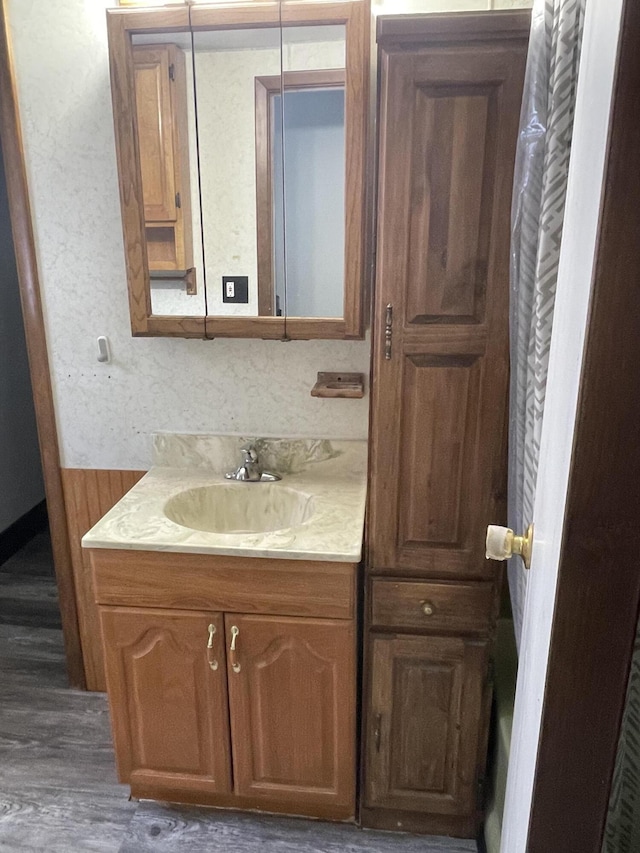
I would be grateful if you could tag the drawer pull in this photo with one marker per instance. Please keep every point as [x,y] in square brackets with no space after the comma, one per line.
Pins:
[213,663]
[427,608]
[232,648]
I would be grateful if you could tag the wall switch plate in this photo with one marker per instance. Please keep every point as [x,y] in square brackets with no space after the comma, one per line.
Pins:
[235,288]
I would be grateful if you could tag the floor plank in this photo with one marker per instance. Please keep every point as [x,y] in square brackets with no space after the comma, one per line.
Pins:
[63,820]
[162,828]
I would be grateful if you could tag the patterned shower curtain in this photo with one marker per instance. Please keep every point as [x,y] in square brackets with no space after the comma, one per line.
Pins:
[540,185]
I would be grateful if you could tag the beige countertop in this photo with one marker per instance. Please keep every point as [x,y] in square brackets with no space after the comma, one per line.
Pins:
[330,476]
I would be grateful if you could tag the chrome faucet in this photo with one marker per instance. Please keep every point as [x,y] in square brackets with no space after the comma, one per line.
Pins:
[251,471]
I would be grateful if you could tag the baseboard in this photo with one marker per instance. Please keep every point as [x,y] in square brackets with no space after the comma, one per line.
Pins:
[21,531]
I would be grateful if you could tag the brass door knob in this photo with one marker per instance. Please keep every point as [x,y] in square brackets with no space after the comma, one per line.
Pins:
[502,543]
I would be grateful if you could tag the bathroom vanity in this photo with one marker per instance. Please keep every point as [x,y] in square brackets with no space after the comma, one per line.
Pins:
[228,616]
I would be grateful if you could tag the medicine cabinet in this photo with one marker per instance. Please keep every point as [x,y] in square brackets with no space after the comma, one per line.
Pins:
[241,138]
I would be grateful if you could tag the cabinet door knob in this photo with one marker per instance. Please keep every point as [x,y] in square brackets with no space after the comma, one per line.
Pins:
[213,663]
[232,648]
[427,608]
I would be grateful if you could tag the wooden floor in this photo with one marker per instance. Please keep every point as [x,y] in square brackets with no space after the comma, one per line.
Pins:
[58,788]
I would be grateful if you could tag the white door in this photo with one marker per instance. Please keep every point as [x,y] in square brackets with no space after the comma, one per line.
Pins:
[586,173]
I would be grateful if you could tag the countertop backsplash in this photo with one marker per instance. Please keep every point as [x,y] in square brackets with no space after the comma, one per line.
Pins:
[222,453]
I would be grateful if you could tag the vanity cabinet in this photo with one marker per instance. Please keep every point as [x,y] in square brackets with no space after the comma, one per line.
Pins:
[212,705]
[439,402]
[161,116]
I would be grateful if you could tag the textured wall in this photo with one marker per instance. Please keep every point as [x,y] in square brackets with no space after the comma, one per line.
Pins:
[106,412]
[20,471]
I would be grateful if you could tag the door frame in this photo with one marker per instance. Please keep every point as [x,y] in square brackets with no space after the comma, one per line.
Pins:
[30,296]
[598,592]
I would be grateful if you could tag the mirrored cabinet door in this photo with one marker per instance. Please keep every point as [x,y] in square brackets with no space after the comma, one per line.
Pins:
[324,127]
[310,132]
[166,138]
[242,246]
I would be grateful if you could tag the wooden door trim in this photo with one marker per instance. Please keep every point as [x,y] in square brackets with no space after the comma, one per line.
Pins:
[598,594]
[29,284]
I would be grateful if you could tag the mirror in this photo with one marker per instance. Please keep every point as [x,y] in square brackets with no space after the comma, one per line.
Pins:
[233,137]
[310,144]
[234,127]
[166,135]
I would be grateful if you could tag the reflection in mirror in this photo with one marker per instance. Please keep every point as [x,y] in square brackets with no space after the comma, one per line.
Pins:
[311,132]
[165,117]
[228,63]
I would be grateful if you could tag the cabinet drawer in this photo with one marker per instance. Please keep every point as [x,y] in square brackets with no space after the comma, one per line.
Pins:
[216,582]
[459,607]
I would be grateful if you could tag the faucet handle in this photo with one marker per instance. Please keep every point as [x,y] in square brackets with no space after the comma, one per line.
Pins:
[250,453]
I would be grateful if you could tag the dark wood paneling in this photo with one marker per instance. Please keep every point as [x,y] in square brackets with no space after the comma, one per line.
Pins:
[24,244]
[425,760]
[442,607]
[168,706]
[292,708]
[88,494]
[598,595]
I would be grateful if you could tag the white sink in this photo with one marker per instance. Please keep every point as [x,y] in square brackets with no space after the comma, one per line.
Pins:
[240,508]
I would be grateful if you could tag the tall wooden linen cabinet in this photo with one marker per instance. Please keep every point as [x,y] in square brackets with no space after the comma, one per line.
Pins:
[451,88]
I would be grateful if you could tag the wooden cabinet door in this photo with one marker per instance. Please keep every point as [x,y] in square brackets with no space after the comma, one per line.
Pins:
[152,68]
[439,398]
[292,708]
[168,705]
[426,722]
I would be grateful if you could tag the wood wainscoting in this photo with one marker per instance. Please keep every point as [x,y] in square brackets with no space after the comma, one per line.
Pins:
[88,494]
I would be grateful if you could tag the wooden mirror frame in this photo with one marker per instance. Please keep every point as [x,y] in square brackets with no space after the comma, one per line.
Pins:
[122,25]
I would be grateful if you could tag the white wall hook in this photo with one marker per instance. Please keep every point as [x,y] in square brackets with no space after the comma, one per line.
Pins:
[104,353]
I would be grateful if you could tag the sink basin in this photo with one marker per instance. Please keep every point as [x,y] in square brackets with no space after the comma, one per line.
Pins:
[240,508]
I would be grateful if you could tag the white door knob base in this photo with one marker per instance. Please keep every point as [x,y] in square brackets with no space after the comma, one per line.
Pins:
[502,543]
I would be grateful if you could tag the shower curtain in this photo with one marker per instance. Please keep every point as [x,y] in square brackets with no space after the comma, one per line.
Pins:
[540,185]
